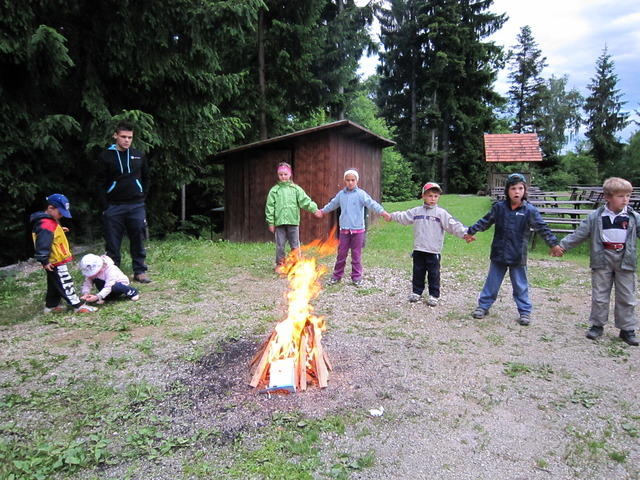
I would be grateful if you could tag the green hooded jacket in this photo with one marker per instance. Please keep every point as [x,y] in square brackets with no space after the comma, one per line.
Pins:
[284,201]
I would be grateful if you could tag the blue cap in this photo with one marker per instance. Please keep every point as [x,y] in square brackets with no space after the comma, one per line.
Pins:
[61,202]
[515,178]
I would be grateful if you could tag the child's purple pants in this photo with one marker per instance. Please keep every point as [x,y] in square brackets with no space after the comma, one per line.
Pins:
[354,242]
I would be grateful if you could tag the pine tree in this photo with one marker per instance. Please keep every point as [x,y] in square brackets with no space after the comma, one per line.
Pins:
[527,85]
[437,77]
[560,118]
[605,117]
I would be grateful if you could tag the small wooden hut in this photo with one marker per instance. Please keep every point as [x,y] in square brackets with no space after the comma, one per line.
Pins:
[509,147]
[318,155]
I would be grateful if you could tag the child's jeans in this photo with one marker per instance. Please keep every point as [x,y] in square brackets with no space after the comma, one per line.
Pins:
[602,281]
[350,240]
[59,286]
[284,233]
[519,282]
[426,264]
[117,289]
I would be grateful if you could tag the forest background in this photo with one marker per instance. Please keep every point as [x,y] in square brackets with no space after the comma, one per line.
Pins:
[196,78]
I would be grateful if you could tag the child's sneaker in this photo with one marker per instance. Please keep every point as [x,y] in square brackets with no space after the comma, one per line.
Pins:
[135,298]
[358,283]
[480,312]
[86,309]
[56,309]
[333,281]
[414,297]
[524,319]
[629,337]
[594,332]
[432,301]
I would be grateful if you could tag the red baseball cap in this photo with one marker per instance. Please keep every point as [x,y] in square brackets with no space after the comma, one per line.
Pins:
[431,185]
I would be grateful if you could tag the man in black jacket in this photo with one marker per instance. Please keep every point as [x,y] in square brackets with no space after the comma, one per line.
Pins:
[124,178]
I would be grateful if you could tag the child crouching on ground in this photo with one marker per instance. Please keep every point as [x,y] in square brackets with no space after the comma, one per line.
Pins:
[613,229]
[53,252]
[106,277]
[514,218]
[429,224]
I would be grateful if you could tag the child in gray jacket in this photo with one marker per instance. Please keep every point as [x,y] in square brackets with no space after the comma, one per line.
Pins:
[613,230]
[429,224]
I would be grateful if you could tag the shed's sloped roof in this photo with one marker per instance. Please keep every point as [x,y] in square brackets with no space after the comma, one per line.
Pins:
[347,127]
[512,147]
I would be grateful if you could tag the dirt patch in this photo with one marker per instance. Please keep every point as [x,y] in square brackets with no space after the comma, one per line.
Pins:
[462,398]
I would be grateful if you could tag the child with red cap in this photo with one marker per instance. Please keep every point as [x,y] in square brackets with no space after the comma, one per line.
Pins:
[429,221]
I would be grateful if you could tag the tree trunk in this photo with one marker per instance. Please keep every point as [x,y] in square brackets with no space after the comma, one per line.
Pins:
[262,84]
[414,113]
[444,148]
[340,113]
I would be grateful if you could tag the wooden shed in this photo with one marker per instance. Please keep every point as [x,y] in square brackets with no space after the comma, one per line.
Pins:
[509,147]
[319,156]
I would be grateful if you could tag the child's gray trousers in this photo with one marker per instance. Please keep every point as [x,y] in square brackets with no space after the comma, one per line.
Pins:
[602,281]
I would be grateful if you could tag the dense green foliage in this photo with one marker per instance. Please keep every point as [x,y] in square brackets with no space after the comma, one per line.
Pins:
[436,86]
[184,73]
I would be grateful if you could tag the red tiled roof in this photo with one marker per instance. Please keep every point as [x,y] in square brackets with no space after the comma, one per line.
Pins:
[512,147]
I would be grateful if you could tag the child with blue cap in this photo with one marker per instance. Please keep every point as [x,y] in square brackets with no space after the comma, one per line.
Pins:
[53,252]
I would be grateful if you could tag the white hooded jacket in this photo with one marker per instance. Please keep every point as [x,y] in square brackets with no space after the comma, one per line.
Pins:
[109,273]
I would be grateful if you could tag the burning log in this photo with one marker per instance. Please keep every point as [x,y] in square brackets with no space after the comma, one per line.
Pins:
[293,357]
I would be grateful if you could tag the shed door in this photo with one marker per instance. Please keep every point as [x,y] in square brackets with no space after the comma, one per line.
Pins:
[260,177]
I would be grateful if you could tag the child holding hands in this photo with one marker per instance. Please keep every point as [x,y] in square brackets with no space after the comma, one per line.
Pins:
[352,202]
[514,217]
[282,211]
[429,221]
[613,230]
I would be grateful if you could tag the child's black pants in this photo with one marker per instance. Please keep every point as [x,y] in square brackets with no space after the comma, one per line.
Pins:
[426,264]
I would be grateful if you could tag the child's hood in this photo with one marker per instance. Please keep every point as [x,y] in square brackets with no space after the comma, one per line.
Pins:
[107,262]
[39,216]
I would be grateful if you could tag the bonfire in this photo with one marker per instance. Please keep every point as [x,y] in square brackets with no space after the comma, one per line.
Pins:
[292,357]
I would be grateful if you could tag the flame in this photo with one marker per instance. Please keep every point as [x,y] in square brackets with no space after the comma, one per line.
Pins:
[303,273]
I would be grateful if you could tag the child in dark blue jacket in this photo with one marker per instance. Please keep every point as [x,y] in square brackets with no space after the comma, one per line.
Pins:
[514,217]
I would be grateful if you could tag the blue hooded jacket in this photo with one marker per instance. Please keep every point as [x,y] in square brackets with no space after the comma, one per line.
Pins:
[513,230]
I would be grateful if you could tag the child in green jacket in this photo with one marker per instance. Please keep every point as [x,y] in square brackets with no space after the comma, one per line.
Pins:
[282,211]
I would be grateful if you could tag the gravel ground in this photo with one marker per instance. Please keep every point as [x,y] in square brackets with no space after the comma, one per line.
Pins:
[462,398]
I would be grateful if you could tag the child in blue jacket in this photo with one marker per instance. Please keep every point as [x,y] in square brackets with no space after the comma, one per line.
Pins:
[514,217]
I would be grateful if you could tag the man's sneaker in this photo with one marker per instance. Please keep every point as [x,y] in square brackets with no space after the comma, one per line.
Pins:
[333,281]
[56,309]
[479,312]
[595,332]
[135,298]
[524,319]
[432,301]
[629,337]
[142,278]
[86,309]
[358,282]
[414,297]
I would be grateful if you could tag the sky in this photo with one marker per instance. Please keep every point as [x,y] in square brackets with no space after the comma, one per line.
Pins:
[572,35]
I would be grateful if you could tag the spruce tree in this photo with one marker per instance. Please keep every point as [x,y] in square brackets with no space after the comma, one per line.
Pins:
[527,90]
[437,85]
[605,118]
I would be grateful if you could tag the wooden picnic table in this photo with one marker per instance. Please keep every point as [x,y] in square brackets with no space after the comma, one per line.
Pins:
[557,203]
[573,212]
